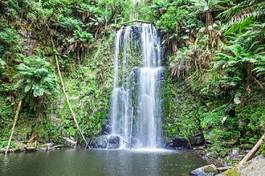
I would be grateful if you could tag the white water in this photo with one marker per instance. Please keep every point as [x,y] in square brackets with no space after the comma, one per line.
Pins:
[136,110]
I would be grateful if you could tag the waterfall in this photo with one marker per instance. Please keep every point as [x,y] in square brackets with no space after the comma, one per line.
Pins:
[135,101]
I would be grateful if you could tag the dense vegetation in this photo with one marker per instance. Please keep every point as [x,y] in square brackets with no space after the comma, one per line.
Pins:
[214,55]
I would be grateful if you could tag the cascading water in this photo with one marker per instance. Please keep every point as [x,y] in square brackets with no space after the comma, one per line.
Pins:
[136,102]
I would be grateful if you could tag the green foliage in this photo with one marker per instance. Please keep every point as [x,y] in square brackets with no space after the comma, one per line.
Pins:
[215,53]
[70,23]
[171,20]
[242,14]
[35,77]
[2,66]
[3,144]
[175,16]
[90,103]
[6,114]
[83,36]
[181,110]
[75,27]
[222,66]
[203,6]
[9,42]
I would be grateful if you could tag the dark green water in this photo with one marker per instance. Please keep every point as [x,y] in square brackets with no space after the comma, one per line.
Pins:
[99,163]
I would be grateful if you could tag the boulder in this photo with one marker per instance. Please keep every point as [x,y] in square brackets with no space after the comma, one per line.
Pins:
[178,143]
[100,142]
[106,141]
[113,142]
[208,170]
[254,167]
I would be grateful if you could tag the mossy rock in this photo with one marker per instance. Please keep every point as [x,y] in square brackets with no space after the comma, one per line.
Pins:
[232,172]
[208,170]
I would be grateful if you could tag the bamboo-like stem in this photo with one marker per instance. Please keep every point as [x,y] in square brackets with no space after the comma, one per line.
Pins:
[253,151]
[13,127]
[66,96]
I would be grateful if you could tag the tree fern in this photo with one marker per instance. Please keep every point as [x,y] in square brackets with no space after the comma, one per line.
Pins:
[243,13]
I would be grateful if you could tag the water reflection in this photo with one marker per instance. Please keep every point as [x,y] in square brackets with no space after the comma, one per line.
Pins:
[99,163]
[125,163]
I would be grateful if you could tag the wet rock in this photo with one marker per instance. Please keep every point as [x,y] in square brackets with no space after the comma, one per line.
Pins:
[30,149]
[208,170]
[70,142]
[100,142]
[58,146]
[46,147]
[197,140]
[136,72]
[106,141]
[178,143]
[113,142]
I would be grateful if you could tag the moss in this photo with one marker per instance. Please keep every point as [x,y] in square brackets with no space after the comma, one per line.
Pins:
[89,88]
[210,169]
[6,116]
[232,172]
[181,110]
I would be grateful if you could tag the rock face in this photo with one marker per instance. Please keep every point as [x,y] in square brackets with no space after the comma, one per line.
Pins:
[255,167]
[106,141]
[209,170]
[178,143]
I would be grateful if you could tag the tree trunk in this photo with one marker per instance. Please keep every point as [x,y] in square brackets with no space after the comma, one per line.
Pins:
[13,127]
[174,46]
[209,22]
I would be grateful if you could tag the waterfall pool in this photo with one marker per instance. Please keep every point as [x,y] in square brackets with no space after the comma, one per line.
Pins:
[100,163]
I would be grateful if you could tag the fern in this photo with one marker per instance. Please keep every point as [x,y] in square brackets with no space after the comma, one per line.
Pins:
[243,13]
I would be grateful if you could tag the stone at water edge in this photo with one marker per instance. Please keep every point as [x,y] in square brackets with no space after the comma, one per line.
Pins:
[106,141]
[69,142]
[30,149]
[178,143]
[100,142]
[197,140]
[113,142]
[208,170]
